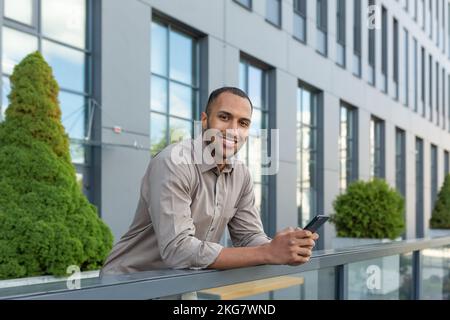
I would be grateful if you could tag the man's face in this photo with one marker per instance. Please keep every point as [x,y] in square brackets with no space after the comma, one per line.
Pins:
[231,115]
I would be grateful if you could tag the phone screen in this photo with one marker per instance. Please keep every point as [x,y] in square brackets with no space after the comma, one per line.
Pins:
[316,223]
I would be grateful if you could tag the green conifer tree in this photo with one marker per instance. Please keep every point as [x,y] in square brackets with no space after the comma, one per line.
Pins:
[440,218]
[46,223]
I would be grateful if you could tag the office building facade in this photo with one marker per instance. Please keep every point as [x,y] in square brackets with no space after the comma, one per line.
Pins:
[357,88]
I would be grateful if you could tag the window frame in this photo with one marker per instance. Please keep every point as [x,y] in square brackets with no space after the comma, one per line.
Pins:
[195,87]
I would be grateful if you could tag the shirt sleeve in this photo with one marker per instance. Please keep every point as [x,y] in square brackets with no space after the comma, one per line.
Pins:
[246,229]
[169,203]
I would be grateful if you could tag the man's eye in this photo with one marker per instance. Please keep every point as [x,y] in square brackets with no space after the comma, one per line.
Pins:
[245,124]
[223,117]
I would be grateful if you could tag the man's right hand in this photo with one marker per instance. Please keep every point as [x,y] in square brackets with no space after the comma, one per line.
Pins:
[291,246]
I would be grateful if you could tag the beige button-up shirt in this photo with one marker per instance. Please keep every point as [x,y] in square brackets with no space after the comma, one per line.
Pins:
[182,213]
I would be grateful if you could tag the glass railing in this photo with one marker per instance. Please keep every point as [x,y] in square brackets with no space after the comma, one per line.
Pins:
[400,270]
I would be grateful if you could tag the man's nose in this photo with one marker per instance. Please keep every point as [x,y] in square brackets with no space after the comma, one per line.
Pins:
[233,130]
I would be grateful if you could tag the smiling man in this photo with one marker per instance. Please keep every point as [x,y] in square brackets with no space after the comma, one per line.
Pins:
[185,206]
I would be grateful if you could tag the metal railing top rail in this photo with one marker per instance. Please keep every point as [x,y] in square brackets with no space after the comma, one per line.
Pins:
[160,283]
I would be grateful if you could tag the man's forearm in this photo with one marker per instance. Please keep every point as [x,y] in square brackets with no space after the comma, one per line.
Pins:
[241,257]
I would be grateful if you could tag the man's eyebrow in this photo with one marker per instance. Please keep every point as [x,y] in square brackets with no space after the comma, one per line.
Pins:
[230,115]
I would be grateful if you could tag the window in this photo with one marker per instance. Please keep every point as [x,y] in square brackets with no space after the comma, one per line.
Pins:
[400,161]
[322,27]
[384,49]
[424,17]
[300,20]
[434,175]
[396,53]
[174,85]
[430,84]
[371,51]
[414,9]
[245,3]
[443,99]
[437,26]
[29,25]
[446,163]
[357,37]
[348,146]
[253,79]
[377,147]
[273,12]
[437,93]
[422,81]
[430,18]
[443,27]
[307,153]
[406,67]
[419,189]
[416,87]
[20,11]
[340,36]
[448,102]
[448,30]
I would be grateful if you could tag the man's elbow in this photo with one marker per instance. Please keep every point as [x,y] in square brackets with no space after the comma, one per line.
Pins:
[174,259]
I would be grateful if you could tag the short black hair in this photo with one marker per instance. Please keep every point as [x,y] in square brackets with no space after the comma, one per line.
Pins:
[216,93]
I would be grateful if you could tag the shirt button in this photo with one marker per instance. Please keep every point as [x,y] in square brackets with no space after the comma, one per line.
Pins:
[212,229]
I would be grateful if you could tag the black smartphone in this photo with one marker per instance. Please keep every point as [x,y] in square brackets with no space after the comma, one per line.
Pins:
[316,223]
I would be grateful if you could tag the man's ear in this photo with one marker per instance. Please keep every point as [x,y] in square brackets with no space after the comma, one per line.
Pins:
[204,119]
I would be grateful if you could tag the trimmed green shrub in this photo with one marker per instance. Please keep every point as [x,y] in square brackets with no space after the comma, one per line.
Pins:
[369,209]
[440,218]
[46,223]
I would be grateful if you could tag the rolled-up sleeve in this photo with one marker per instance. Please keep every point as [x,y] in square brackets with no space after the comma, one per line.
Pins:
[169,206]
[246,229]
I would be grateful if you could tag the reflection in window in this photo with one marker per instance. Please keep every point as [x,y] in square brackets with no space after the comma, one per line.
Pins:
[159,53]
[181,100]
[371,47]
[65,21]
[322,26]
[376,148]
[400,162]
[67,64]
[15,46]
[300,20]
[357,37]
[419,189]
[340,36]
[179,129]
[307,154]
[273,11]
[433,175]
[158,132]
[406,67]
[174,85]
[396,58]
[6,89]
[384,49]
[348,154]
[74,121]
[159,94]
[435,263]
[446,163]
[19,10]
[181,53]
[254,83]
